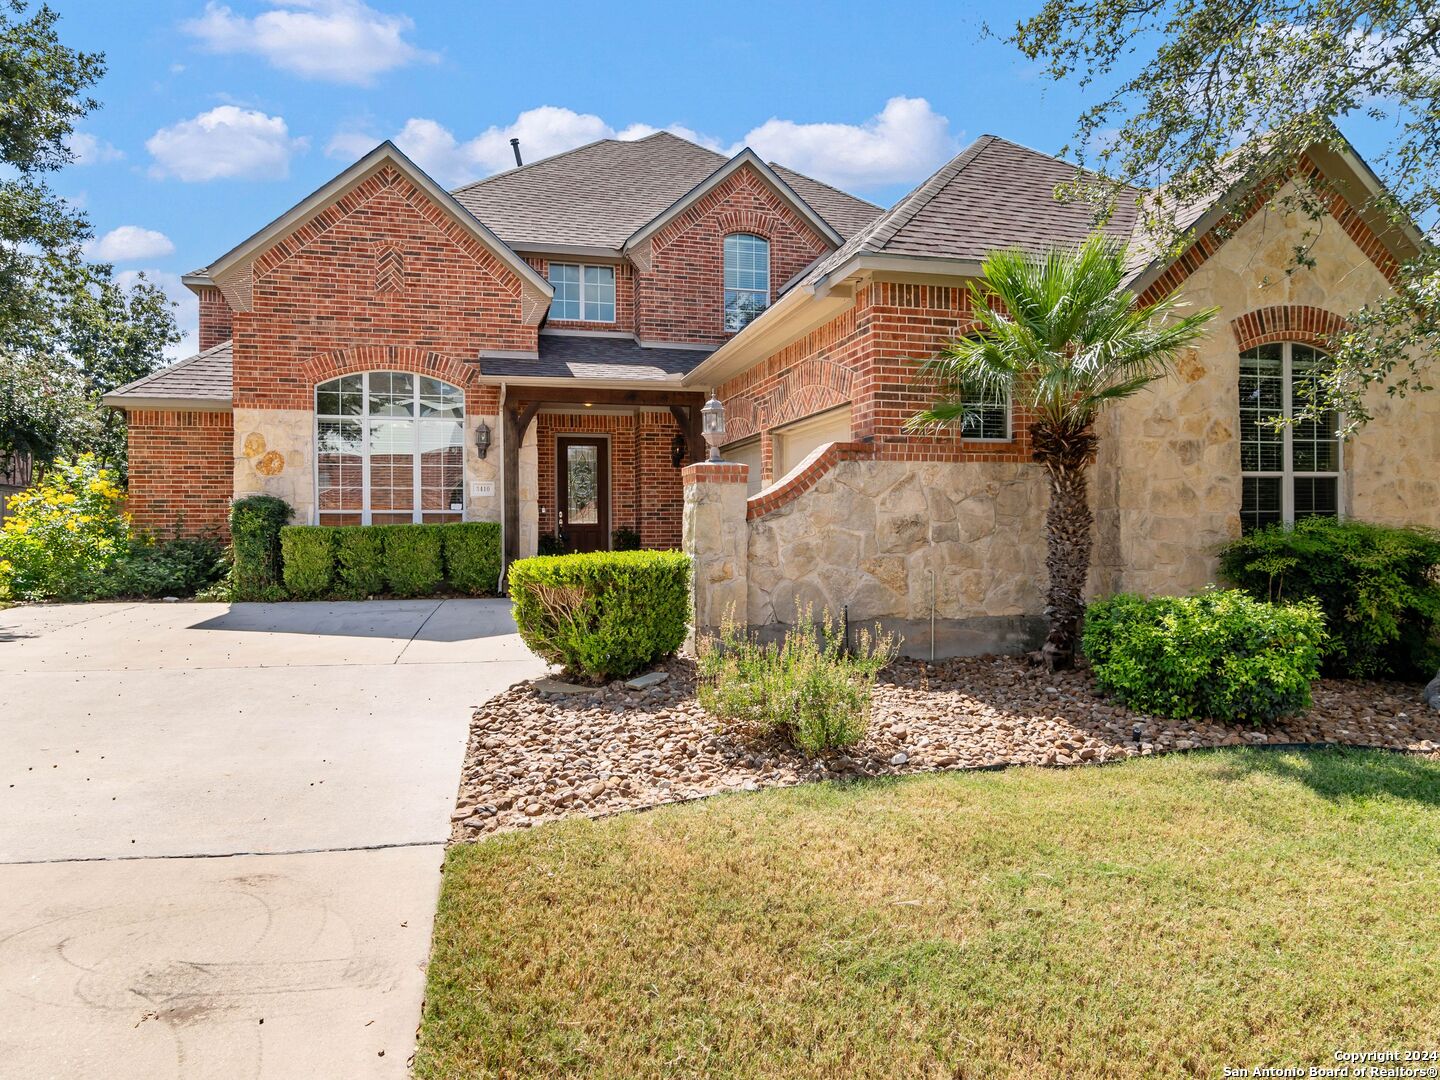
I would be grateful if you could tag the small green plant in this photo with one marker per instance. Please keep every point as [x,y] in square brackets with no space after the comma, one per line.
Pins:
[255,524]
[360,561]
[550,544]
[64,535]
[604,614]
[624,540]
[1379,586]
[308,555]
[471,551]
[1219,655]
[813,687]
[153,568]
[412,560]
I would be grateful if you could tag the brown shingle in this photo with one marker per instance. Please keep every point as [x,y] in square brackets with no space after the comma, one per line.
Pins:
[203,377]
[583,356]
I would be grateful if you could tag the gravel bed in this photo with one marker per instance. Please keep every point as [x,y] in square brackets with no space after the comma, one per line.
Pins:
[534,758]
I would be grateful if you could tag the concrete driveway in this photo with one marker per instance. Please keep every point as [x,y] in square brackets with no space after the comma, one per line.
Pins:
[221,829]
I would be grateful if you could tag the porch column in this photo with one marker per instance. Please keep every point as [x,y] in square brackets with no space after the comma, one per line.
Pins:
[717,539]
[515,420]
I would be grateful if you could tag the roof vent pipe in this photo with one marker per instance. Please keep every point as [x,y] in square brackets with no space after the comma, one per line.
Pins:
[515,145]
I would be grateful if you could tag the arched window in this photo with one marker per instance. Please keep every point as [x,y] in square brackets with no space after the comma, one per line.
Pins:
[389,449]
[747,279]
[1289,471]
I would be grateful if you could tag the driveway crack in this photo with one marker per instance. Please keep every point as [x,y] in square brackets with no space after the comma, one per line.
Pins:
[400,655]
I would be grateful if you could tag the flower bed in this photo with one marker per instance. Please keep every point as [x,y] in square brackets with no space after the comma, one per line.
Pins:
[535,758]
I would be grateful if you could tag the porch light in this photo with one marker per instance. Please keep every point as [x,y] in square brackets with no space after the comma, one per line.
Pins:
[712,418]
[482,439]
[677,450]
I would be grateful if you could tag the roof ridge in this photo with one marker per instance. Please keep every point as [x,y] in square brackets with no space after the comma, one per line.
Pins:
[538,161]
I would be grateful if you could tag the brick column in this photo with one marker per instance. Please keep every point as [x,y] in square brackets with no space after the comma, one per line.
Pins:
[717,539]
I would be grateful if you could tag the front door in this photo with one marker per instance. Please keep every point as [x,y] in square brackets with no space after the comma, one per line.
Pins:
[582,472]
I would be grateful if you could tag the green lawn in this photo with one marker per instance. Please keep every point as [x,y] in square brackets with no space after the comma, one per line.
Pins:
[1162,917]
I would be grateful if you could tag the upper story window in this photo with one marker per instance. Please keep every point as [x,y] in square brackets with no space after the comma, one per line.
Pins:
[583,293]
[389,449]
[747,279]
[1290,471]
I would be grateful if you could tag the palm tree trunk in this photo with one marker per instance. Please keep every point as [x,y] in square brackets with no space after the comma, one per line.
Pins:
[1069,535]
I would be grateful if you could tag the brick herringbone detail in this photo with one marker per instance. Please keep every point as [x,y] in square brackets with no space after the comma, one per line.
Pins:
[389,268]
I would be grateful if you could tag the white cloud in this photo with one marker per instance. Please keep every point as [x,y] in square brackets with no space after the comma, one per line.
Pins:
[129,243]
[187,313]
[344,41]
[90,149]
[226,142]
[906,142]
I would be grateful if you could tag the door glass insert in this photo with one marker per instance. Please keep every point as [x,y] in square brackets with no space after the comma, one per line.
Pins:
[582,483]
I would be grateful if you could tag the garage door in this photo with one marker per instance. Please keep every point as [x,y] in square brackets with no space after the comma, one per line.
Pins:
[794,442]
[746,453]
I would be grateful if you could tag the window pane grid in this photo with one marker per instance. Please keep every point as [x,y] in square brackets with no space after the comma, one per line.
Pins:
[583,293]
[986,415]
[402,456]
[746,279]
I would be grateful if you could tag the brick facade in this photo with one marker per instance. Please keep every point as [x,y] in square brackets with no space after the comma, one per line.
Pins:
[644,485]
[680,290]
[215,322]
[1286,322]
[180,471]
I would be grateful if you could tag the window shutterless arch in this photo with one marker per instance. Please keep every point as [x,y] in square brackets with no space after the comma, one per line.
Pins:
[747,279]
[389,449]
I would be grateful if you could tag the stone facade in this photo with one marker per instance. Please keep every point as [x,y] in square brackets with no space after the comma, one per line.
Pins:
[716,539]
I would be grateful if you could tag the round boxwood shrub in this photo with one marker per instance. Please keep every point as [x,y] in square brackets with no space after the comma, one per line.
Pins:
[1377,585]
[1219,655]
[605,614]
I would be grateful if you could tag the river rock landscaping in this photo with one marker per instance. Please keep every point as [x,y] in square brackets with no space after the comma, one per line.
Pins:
[536,756]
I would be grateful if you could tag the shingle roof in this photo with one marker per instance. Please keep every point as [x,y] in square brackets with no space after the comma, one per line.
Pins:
[598,195]
[994,194]
[574,356]
[204,377]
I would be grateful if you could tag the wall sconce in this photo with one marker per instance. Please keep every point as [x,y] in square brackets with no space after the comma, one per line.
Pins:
[482,439]
[712,418]
[677,451]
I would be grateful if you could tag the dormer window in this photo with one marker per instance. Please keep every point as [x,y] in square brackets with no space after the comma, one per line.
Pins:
[582,293]
[747,279]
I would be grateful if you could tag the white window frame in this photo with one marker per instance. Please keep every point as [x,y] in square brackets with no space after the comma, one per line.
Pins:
[970,398]
[724,288]
[580,269]
[417,513]
[1289,474]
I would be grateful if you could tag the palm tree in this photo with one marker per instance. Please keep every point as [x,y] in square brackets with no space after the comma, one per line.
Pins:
[1060,337]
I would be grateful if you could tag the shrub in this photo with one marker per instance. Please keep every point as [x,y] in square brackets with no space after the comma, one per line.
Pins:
[359,561]
[411,558]
[624,540]
[308,555]
[604,614]
[65,534]
[1219,655]
[809,687]
[1377,585]
[154,568]
[255,524]
[471,551]
[550,544]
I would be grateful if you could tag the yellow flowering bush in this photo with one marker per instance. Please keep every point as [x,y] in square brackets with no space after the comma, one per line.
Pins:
[64,534]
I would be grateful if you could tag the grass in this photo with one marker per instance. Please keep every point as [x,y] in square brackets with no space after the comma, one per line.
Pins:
[1162,917]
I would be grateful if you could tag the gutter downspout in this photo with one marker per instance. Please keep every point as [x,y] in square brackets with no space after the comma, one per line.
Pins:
[504,492]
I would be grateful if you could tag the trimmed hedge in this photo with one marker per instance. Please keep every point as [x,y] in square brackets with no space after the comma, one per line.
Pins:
[255,524]
[604,614]
[1379,586]
[1219,655]
[355,561]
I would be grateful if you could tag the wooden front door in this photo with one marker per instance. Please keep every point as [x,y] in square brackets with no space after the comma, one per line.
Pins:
[582,473]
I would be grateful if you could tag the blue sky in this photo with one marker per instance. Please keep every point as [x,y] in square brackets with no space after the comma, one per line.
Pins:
[219,116]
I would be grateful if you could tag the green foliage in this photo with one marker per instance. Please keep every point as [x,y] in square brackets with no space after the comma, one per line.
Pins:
[43,409]
[255,524]
[64,535]
[604,614]
[550,544]
[412,562]
[360,561]
[1378,585]
[809,687]
[1196,81]
[624,540]
[155,568]
[471,551]
[1219,655]
[307,553]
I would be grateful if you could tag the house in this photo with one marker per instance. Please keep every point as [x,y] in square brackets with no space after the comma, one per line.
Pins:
[534,348]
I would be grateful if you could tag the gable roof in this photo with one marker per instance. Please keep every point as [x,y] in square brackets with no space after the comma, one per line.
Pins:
[232,268]
[202,381]
[601,194]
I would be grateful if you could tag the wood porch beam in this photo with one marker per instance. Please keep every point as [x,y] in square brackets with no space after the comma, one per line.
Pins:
[570,395]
